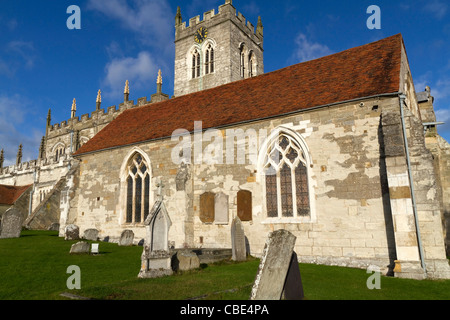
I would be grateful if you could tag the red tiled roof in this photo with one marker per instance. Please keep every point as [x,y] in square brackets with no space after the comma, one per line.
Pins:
[10,194]
[360,72]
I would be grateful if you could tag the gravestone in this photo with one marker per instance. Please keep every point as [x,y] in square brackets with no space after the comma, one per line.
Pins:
[81,247]
[91,234]
[239,250]
[71,232]
[94,248]
[54,227]
[278,273]
[221,208]
[185,260]
[156,258]
[11,224]
[126,238]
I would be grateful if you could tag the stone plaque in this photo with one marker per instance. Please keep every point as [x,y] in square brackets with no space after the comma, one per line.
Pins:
[239,252]
[126,238]
[207,207]
[11,224]
[72,232]
[244,205]
[221,208]
[274,266]
[94,248]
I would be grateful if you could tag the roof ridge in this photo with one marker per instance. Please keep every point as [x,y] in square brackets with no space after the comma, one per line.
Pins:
[344,76]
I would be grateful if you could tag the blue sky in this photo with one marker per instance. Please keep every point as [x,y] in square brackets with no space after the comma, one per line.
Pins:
[45,65]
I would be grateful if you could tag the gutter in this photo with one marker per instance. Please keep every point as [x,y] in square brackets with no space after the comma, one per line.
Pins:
[402,97]
[383,95]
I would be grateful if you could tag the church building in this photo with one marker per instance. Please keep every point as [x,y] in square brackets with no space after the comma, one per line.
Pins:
[341,151]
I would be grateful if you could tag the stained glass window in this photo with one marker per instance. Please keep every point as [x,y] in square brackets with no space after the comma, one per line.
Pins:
[286,179]
[130,199]
[138,190]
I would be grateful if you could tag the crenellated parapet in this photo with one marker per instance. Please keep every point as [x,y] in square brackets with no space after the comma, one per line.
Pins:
[226,12]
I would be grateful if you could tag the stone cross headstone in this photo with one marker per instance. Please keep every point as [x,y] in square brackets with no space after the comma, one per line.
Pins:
[239,251]
[156,259]
[278,273]
[126,238]
[11,224]
[72,232]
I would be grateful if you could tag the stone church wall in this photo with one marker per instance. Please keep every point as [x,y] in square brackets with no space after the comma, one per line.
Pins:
[349,222]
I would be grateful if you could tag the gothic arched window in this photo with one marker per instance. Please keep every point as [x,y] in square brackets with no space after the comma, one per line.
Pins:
[252,65]
[286,179]
[209,59]
[59,151]
[195,64]
[137,190]
[242,61]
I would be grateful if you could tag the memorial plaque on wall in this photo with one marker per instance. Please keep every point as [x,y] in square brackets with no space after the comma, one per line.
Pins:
[244,205]
[207,205]
[221,208]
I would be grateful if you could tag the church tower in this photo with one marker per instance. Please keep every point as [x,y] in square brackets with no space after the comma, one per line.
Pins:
[219,49]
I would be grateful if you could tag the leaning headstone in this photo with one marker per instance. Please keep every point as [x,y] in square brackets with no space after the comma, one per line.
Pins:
[126,238]
[11,224]
[72,232]
[278,269]
[239,251]
[155,258]
[91,234]
[81,247]
[185,260]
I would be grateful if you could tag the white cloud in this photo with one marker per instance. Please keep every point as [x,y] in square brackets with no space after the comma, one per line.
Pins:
[140,71]
[152,20]
[437,7]
[16,55]
[23,49]
[308,50]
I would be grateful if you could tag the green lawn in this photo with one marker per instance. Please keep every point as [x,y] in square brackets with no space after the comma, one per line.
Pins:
[35,267]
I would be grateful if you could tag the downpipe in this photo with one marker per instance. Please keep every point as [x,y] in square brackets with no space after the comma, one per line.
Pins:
[411,181]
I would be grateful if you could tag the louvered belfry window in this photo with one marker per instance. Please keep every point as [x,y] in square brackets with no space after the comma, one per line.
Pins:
[286,180]
[195,64]
[138,190]
[209,60]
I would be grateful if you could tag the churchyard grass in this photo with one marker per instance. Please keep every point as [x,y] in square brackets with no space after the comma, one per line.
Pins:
[34,266]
